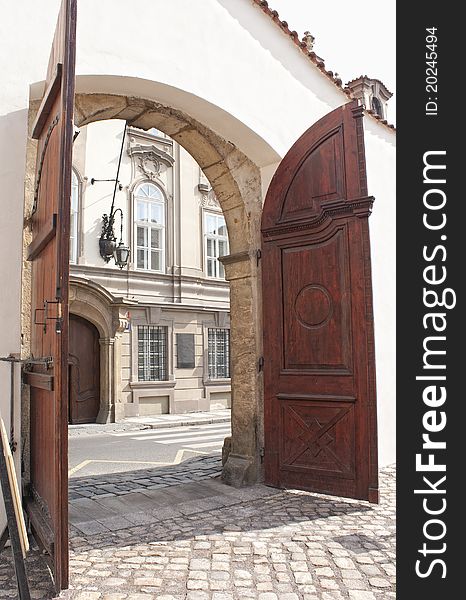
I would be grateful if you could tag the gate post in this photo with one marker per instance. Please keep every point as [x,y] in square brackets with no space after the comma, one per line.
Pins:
[243,463]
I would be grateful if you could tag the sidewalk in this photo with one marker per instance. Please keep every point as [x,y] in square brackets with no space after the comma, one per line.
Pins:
[156,422]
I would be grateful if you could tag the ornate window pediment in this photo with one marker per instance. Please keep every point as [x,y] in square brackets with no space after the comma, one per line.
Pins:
[149,159]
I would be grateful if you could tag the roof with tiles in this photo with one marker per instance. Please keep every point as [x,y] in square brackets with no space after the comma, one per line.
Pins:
[312,56]
[388,92]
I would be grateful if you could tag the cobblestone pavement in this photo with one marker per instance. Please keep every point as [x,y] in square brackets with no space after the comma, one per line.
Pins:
[119,484]
[256,543]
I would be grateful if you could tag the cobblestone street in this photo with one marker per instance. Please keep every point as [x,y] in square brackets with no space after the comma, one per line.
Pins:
[212,542]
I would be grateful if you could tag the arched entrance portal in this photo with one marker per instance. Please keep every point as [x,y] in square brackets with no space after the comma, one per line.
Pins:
[236,182]
[84,371]
[97,307]
[237,185]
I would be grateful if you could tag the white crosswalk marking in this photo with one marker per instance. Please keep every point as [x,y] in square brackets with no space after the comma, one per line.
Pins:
[210,437]
[171,441]
[171,430]
[208,445]
[180,434]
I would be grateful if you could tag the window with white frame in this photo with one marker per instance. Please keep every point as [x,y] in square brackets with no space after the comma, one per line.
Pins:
[149,206]
[218,353]
[74,217]
[152,353]
[216,243]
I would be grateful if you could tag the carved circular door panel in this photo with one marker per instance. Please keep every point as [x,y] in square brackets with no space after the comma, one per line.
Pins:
[313,306]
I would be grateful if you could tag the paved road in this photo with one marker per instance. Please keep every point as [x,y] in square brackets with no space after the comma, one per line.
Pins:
[128,451]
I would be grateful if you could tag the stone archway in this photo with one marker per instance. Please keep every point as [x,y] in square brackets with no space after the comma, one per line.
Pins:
[95,304]
[237,185]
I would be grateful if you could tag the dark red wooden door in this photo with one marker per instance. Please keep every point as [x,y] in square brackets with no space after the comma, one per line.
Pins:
[49,253]
[319,370]
[84,371]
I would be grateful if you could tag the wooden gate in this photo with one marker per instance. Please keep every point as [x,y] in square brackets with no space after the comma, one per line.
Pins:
[319,370]
[47,374]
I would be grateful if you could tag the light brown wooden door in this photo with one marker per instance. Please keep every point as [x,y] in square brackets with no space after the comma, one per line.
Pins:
[49,252]
[84,370]
[319,368]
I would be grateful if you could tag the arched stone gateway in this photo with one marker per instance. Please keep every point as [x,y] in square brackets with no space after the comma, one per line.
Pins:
[237,185]
[236,182]
[236,95]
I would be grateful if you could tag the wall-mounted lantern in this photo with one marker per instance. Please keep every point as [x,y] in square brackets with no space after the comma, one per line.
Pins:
[108,247]
[107,242]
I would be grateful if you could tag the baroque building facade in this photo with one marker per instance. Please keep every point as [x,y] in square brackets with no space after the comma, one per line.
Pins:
[152,337]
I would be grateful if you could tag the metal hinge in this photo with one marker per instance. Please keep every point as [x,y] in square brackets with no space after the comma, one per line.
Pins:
[260,364]
[57,318]
[262,453]
[258,256]
[46,361]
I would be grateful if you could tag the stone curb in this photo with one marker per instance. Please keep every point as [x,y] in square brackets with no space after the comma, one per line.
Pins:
[132,426]
[185,423]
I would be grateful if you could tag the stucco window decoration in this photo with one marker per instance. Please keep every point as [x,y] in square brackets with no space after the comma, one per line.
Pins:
[152,353]
[74,218]
[150,227]
[216,244]
[218,352]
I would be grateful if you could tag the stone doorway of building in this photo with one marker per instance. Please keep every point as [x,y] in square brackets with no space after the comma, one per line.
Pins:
[84,371]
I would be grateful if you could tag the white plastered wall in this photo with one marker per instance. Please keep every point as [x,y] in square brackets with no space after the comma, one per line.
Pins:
[380,159]
[223,62]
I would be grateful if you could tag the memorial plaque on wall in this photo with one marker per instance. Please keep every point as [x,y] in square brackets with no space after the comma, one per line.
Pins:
[185,350]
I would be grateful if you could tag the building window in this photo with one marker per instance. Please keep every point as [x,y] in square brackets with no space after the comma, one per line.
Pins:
[216,244]
[152,353]
[74,217]
[150,227]
[219,353]
[377,106]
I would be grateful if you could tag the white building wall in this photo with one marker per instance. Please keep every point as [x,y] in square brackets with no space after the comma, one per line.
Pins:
[380,157]
[183,281]
[191,245]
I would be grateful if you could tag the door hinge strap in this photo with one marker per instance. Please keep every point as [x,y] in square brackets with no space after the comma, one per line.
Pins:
[260,364]
[52,125]
[47,317]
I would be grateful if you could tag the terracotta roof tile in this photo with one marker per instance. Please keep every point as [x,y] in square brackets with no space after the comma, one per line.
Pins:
[312,56]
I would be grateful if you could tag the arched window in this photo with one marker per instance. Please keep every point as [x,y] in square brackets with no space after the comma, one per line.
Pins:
[149,206]
[74,217]
[377,106]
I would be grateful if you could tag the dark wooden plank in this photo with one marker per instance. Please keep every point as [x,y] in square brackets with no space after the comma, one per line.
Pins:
[38,380]
[42,239]
[13,528]
[316,397]
[50,96]
[41,526]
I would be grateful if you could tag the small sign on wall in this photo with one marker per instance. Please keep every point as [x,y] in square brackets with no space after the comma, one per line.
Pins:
[185,351]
